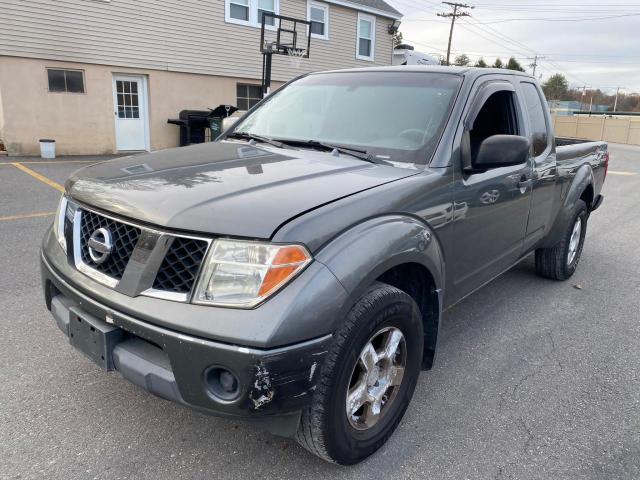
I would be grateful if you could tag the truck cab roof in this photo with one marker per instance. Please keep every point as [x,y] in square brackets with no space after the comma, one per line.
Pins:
[471,72]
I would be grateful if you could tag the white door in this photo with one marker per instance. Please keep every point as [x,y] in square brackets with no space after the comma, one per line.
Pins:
[130,109]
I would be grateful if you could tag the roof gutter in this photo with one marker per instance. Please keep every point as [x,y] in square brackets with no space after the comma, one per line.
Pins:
[364,8]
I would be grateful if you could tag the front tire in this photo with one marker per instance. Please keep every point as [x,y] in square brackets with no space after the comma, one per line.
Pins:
[561,261]
[367,380]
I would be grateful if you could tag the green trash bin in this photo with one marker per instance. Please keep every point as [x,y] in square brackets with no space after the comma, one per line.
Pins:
[216,117]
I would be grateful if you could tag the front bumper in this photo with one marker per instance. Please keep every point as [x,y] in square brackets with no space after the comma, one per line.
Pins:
[274,384]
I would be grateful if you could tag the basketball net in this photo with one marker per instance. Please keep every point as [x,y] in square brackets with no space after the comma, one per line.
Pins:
[295,56]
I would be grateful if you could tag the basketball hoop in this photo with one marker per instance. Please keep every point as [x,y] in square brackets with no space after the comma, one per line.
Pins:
[293,39]
[295,56]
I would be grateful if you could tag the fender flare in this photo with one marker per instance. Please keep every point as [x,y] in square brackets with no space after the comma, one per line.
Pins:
[361,254]
[582,179]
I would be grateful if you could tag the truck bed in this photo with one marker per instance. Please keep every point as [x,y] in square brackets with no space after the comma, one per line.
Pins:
[571,148]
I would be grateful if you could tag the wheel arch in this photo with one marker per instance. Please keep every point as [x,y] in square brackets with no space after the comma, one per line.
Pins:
[400,250]
[581,188]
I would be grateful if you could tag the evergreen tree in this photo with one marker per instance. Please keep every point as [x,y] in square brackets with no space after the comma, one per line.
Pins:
[513,64]
[556,87]
[462,60]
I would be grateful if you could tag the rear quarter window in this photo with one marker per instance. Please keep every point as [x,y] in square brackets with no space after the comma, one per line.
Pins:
[535,111]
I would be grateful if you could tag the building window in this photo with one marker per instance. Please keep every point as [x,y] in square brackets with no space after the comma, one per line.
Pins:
[268,6]
[248,95]
[71,81]
[249,12]
[318,15]
[366,37]
[239,10]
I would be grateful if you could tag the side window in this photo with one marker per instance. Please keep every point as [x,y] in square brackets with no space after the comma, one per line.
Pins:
[535,110]
[496,117]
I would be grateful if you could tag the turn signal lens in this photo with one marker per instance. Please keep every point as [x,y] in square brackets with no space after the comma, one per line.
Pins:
[242,274]
[275,277]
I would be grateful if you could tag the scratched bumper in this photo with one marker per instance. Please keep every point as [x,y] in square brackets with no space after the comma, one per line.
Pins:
[272,382]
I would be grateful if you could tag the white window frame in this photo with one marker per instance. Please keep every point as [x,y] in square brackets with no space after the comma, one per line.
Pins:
[320,6]
[253,21]
[372,20]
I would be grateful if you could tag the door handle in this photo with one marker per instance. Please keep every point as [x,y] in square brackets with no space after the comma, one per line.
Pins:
[524,183]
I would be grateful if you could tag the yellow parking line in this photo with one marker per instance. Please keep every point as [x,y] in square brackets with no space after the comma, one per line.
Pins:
[46,162]
[27,215]
[37,176]
[614,172]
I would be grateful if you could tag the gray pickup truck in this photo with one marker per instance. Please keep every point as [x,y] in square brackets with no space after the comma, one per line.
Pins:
[294,272]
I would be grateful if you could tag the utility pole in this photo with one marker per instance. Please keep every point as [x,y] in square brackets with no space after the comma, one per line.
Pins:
[615,103]
[453,15]
[535,62]
[584,92]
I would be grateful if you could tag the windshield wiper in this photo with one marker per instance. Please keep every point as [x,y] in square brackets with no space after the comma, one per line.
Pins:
[257,138]
[354,152]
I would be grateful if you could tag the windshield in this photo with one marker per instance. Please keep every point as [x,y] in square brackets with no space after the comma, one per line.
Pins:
[396,116]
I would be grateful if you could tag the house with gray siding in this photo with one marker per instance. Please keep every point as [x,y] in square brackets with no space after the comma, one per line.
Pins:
[102,76]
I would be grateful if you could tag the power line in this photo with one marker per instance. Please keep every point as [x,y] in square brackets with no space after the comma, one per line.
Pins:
[505,39]
[483,34]
[565,19]
[536,5]
[453,15]
[483,30]
[538,19]
[492,31]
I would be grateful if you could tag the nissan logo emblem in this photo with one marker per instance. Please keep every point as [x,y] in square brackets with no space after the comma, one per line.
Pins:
[100,245]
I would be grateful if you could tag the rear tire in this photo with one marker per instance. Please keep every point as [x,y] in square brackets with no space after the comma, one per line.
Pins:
[386,313]
[560,262]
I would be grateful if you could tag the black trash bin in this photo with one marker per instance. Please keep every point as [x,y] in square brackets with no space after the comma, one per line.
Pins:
[216,117]
[198,126]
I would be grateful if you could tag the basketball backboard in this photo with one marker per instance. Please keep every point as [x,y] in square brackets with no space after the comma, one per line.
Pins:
[280,35]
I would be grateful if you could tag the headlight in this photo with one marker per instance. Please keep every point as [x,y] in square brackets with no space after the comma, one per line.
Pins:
[243,274]
[58,223]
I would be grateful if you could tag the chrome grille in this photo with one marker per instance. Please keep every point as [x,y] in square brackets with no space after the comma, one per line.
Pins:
[170,276]
[180,266]
[125,237]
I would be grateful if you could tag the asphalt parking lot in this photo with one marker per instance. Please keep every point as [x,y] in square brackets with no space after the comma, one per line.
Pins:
[534,379]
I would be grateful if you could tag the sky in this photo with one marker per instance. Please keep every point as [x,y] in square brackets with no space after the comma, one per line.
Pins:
[593,43]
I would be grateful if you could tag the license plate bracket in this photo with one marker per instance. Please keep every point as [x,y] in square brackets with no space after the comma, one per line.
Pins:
[93,337]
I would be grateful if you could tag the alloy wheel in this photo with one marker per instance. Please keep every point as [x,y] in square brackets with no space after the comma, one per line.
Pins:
[574,241]
[376,378]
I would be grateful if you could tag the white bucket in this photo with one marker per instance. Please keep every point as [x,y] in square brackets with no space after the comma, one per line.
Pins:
[47,148]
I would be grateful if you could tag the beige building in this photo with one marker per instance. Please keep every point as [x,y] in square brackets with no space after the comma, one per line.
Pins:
[102,76]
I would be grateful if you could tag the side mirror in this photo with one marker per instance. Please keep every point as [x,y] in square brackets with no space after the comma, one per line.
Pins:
[502,151]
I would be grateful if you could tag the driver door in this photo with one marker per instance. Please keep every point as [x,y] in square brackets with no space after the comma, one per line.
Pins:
[489,236]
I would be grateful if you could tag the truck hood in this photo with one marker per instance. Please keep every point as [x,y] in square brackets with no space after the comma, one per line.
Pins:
[226,188]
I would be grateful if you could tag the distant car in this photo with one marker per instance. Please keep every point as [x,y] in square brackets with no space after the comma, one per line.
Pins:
[295,271]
